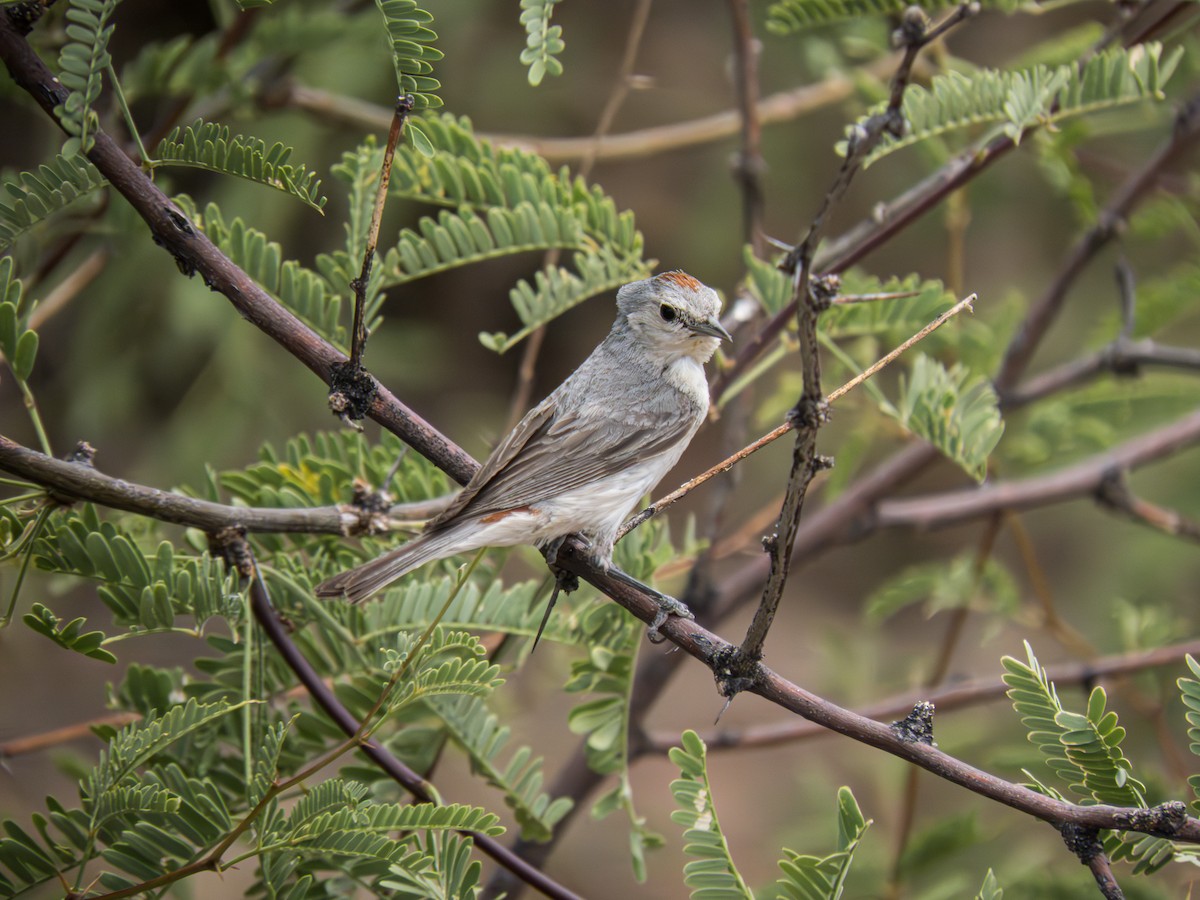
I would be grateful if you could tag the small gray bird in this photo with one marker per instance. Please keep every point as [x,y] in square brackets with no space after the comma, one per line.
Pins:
[580,460]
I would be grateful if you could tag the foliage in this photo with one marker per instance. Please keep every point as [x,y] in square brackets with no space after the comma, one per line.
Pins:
[36,196]
[1010,103]
[711,871]
[956,412]
[543,42]
[790,16]
[81,63]
[206,145]
[824,878]
[227,761]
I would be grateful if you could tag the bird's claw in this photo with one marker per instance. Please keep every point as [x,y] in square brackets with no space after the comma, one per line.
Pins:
[667,607]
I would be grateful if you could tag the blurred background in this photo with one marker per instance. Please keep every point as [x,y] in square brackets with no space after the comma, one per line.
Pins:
[164,379]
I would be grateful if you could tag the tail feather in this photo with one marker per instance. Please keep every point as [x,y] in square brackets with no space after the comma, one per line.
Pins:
[361,582]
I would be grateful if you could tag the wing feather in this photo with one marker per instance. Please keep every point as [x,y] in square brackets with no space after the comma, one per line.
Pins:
[548,454]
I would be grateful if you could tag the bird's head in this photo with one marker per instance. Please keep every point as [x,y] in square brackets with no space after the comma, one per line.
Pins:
[674,314]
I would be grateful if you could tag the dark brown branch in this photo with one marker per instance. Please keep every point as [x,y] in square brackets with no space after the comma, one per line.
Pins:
[810,298]
[74,481]
[324,697]
[959,696]
[196,254]
[1080,480]
[710,649]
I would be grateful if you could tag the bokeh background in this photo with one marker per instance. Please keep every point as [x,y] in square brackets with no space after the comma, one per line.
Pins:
[164,379]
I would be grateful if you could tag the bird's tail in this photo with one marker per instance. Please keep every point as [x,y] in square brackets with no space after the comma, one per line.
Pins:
[361,582]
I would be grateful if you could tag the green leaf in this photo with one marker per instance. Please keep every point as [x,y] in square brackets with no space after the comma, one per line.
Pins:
[1010,102]
[212,147]
[419,140]
[70,636]
[543,41]
[33,197]
[1084,751]
[22,361]
[792,16]
[824,877]
[479,732]
[945,585]
[81,64]
[711,871]
[413,53]
[955,411]
[991,889]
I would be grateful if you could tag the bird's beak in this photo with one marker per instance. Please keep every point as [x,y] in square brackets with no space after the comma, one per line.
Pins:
[712,328]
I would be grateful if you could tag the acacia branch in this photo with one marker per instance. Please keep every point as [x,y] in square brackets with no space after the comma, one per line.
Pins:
[1168,821]
[1123,358]
[1080,480]
[73,480]
[196,254]
[1017,356]
[959,696]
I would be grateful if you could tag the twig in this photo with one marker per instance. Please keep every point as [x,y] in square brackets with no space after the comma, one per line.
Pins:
[778,107]
[889,219]
[748,165]
[1170,820]
[725,465]
[810,298]
[65,291]
[35,743]
[324,697]
[404,107]
[533,344]
[1123,357]
[1115,494]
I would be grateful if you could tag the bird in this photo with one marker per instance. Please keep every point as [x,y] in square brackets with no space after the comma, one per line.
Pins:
[581,460]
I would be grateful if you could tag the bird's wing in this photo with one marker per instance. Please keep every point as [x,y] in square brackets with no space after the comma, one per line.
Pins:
[548,454]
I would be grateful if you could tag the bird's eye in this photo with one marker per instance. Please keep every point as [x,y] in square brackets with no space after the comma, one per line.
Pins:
[667,312]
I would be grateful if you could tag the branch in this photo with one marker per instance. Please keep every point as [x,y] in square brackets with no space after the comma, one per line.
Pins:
[1123,357]
[748,165]
[196,254]
[779,107]
[74,480]
[1170,820]
[323,695]
[1115,494]
[960,696]
[1044,311]
[1082,479]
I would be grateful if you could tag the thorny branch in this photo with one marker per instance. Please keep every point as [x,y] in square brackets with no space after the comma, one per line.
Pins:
[810,298]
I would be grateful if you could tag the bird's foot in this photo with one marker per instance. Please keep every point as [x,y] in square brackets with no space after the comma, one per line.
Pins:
[667,606]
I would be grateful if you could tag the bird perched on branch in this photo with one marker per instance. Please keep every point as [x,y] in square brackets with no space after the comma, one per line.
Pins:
[580,461]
